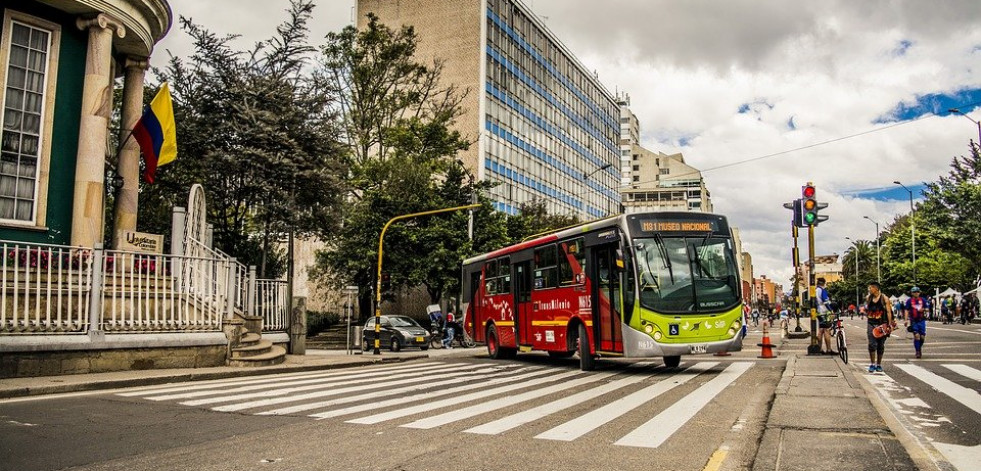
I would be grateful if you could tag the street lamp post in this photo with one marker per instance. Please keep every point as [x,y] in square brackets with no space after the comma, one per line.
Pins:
[473,200]
[978,123]
[912,222]
[857,301]
[585,181]
[878,266]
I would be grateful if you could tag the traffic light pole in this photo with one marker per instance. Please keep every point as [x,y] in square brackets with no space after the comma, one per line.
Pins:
[797,306]
[815,347]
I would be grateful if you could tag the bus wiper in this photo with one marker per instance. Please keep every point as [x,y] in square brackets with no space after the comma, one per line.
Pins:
[663,251]
[698,259]
[647,266]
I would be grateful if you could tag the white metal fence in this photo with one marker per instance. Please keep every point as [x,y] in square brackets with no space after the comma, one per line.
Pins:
[140,292]
[45,289]
[271,303]
[48,289]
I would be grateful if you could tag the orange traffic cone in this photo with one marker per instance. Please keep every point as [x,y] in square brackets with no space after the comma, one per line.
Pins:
[767,346]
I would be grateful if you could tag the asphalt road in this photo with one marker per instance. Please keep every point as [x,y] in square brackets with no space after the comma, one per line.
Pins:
[625,415]
[937,398]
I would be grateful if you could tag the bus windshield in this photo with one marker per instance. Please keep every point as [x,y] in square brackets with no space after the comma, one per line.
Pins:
[681,275]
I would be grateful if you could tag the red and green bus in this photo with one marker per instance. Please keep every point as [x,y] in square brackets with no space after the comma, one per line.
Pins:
[659,284]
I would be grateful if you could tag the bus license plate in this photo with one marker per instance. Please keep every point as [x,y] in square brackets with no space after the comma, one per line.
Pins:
[697,348]
[419,339]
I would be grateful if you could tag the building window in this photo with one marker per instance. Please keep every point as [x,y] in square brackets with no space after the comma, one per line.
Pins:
[665,171]
[636,178]
[636,168]
[27,55]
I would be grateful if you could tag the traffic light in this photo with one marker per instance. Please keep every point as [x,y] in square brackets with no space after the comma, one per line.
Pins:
[794,208]
[809,207]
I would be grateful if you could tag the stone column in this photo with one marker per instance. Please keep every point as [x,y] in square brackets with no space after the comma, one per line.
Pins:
[127,198]
[87,205]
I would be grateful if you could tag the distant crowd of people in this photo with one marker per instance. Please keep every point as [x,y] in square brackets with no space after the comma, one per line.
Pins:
[883,315]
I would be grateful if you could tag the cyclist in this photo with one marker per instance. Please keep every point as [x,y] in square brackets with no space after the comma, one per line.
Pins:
[879,311]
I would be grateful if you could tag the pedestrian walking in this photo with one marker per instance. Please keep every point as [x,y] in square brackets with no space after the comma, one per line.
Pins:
[878,309]
[916,309]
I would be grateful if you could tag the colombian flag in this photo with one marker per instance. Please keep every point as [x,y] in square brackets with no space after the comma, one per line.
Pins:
[157,133]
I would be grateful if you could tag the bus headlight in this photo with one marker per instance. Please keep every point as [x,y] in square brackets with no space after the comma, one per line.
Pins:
[648,328]
[732,332]
[657,335]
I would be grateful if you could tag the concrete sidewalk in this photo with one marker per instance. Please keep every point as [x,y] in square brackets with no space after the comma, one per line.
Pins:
[823,418]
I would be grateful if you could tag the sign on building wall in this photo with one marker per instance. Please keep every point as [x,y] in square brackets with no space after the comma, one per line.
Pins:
[141,242]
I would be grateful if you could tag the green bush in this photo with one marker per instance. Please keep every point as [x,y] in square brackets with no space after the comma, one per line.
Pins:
[318,322]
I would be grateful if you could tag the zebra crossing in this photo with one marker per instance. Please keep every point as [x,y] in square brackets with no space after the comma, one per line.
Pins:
[920,396]
[504,396]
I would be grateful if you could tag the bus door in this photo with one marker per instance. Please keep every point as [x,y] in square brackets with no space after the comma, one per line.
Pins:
[606,298]
[522,299]
[473,322]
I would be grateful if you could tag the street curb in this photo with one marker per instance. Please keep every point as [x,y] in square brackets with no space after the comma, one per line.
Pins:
[184,377]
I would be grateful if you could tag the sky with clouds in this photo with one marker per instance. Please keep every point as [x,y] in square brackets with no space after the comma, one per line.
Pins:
[857,92]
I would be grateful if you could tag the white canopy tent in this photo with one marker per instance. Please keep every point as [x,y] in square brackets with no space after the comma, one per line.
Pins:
[950,292]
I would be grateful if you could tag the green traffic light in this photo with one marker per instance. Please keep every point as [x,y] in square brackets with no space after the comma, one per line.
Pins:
[809,218]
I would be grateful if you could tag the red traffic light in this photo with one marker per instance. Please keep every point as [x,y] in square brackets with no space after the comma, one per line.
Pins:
[808,191]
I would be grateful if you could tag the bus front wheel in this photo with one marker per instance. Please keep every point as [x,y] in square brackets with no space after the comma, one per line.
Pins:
[673,361]
[586,360]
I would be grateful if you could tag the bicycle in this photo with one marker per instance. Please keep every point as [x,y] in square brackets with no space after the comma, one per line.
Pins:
[838,333]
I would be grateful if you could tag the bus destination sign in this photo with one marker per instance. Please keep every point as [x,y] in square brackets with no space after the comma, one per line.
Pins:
[648,225]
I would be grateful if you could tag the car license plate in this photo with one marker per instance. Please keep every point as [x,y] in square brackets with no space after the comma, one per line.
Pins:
[419,339]
[697,348]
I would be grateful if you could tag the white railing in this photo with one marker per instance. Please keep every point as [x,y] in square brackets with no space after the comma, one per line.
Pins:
[239,282]
[45,289]
[271,304]
[141,293]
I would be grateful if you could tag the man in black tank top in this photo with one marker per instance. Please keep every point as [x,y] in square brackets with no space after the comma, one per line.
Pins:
[879,311]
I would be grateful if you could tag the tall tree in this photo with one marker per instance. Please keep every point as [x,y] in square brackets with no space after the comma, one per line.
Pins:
[258,131]
[951,209]
[396,122]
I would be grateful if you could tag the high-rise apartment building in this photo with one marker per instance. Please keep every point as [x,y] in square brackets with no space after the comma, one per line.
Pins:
[545,127]
[660,182]
[629,137]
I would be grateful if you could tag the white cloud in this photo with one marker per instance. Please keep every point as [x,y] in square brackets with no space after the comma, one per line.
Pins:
[835,67]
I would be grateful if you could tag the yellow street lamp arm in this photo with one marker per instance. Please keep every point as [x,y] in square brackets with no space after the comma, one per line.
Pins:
[381,240]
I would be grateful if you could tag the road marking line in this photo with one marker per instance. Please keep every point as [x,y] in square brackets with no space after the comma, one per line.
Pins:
[719,457]
[361,386]
[534,371]
[198,385]
[252,393]
[965,371]
[489,406]
[451,379]
[954,330]
[507,423]
[398,413]
[965,396]
[584,424]
[657,430]
[962,457]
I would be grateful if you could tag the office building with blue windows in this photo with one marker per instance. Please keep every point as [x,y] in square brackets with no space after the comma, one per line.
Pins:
[544,127]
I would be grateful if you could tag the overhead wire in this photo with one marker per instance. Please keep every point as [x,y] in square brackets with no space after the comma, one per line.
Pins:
[809,146]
